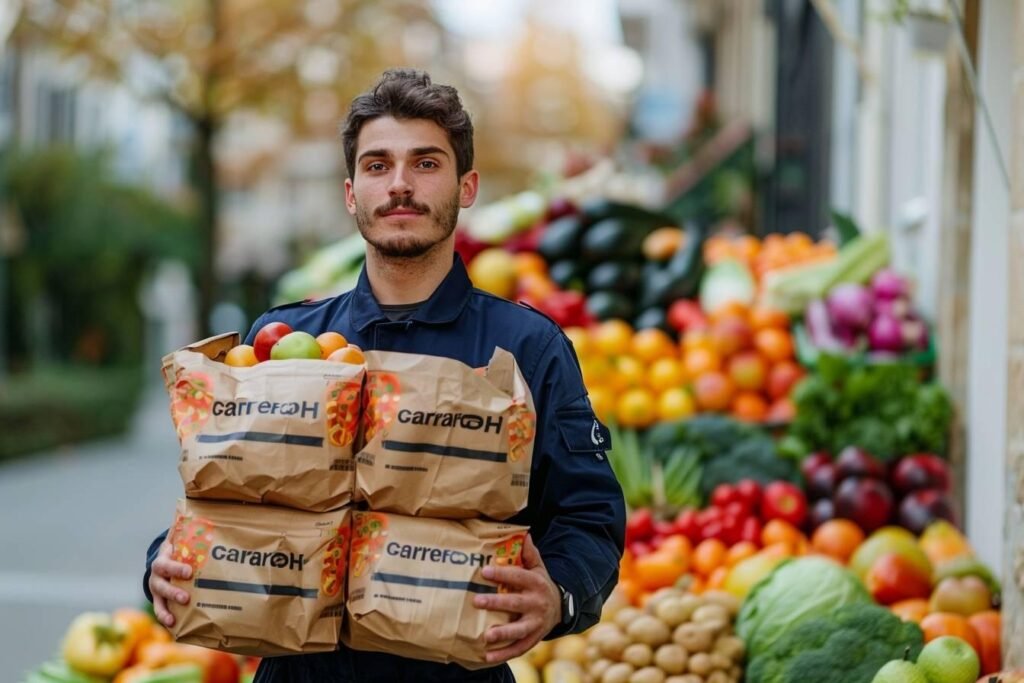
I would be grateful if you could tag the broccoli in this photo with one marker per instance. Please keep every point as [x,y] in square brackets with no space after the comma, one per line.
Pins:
[848,646]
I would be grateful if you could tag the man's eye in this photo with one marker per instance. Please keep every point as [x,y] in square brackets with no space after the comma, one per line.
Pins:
[429,163]
[375,166]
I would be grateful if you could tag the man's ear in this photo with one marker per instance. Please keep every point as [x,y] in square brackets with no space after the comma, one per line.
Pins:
[468,187]
[350,197]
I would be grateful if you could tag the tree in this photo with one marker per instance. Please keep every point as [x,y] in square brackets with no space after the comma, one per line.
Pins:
[300,61]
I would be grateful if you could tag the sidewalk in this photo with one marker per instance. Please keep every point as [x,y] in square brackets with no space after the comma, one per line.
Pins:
[75,526]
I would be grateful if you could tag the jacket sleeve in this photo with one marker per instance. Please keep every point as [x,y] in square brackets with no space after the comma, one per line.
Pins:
[577,510]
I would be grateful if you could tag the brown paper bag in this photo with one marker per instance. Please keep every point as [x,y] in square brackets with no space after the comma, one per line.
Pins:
[412,582]
[281,432]
[443,440]
[265,580]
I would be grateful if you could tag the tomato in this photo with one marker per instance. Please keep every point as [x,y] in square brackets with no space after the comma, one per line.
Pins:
[751,530]
[640,525]
[724,494]
[749,491]
[785,501]
[685,315]
[687,525]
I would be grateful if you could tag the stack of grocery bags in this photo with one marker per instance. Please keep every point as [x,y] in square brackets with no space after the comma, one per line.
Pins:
[329,502]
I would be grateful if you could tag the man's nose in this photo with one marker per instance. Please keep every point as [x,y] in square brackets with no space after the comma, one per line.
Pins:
[400,185]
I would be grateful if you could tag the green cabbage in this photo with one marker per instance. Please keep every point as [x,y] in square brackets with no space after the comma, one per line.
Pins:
[797,590]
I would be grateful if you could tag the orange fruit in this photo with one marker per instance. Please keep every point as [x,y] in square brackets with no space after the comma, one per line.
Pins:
[530,262]
[775,345]
[665,373]
[713,391]
[700,361]
[534,286]
[782,410]
[731,334]
[675,404]
[241,356]
[782,377]
[837,538]
[748,370]
[580,338]
[948,624]
[730,309]
[780,531]
[612,337]
[762,317]
[914,609]
[597,371]
[696,339]
[662,243]
[650,344]
[602,400]
[631,589]
[708,556]
[677,544]
[660,569]
[739,552]
[628,372]
[988,626]
[748,406]
[697,585]
[330,342]
[717,577]
[636,408]
[348,354]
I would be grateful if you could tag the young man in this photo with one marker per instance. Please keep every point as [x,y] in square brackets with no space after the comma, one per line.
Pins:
[409,149]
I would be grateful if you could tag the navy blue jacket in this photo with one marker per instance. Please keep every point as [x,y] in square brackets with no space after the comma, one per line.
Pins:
[575,512]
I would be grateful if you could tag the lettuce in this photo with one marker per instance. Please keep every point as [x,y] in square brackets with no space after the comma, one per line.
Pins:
[797,590]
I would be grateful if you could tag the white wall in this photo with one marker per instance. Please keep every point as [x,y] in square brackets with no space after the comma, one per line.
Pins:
[986,410]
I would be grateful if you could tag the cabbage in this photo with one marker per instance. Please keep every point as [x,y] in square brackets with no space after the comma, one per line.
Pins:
[725,282]
[796,591]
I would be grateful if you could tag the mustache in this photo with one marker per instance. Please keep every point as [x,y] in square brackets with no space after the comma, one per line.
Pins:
[401,203]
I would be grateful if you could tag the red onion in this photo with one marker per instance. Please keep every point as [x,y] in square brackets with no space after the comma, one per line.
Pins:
[886,334]
[888,284]
[850,306]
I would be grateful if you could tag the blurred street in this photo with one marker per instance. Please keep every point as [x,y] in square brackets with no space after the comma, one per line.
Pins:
[75,528]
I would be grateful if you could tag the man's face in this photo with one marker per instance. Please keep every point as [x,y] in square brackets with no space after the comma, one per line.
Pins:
[405,193]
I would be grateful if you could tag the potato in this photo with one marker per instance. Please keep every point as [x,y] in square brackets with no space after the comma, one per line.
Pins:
[694,637]
[699,664]
[727,600]
[613,644]
[661,595]
[571,648]
[691,602]
[561,671]
[600,631]
[523,671]
[648,674]
[720,661]
[717,627]
[617,673]
[674,611]
[671,658]
[625,617]
[718,677]
[649,629]
[711,613]
[736,672]
[598,667]
[638,654]
[540,654]
[730,646]
[686,678]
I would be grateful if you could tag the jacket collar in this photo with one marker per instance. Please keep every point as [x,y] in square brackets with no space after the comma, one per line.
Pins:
[443,306]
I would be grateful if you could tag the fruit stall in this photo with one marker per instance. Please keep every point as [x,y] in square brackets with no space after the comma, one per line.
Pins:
[779,435]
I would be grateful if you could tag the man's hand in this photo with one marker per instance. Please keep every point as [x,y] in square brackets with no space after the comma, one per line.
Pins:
[162,570]
[535,600]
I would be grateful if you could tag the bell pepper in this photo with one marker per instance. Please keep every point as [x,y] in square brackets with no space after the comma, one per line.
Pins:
[96,644]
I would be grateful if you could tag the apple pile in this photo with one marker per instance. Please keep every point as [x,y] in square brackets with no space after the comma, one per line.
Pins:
[277,341]
[913,491]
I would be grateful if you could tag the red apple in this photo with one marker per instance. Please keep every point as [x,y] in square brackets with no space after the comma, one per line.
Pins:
[892,578]
[265,339]
[968,595]
[866,502]
[856,462]
[822,482]
[813,462]
[785,501]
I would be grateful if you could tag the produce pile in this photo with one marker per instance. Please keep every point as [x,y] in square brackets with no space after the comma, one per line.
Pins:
[129,646]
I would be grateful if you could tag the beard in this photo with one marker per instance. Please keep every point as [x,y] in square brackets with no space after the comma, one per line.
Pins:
[406,244]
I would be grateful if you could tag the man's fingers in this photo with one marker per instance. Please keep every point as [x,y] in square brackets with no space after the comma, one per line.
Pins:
[515,577]
[165,589]
[531,556]
[511,632]
[169,569]
[517,648]
[516,603]
[163,615]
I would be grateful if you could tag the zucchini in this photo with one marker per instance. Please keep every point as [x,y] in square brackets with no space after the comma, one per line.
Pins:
[608,305]
[613,276]
[567,274]
[613,239]
[680,277]
[561,239]
[653,317]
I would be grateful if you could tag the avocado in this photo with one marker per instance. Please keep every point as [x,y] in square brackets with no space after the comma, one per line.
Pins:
[608,305]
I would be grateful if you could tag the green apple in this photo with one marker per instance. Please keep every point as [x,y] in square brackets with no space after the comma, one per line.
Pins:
[948,659]
[295,345]
[900,671]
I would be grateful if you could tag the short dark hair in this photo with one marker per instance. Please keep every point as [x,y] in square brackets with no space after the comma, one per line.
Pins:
[409,94]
